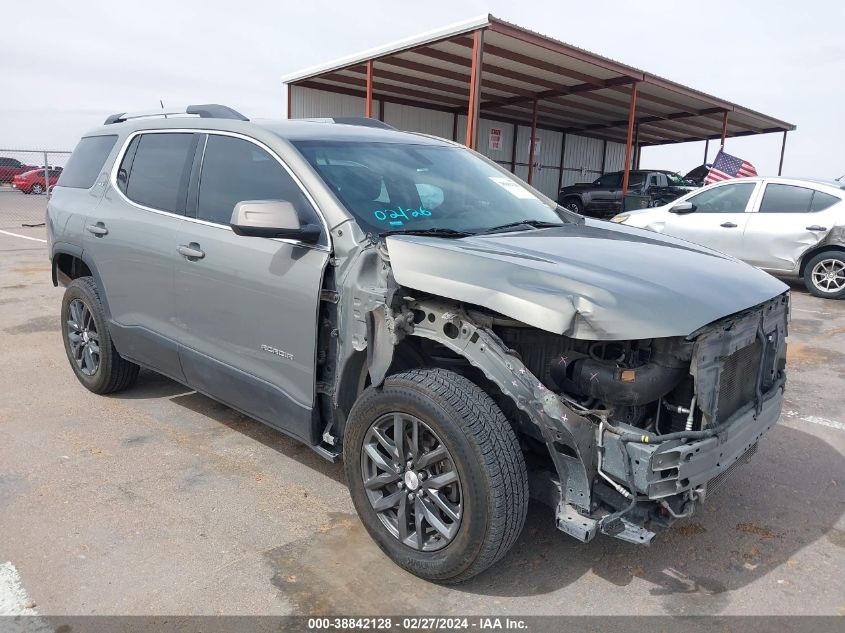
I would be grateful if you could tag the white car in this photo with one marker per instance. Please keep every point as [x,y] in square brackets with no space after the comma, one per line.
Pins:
[788,227]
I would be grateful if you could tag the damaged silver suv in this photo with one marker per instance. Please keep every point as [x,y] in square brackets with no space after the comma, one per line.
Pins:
[405,304]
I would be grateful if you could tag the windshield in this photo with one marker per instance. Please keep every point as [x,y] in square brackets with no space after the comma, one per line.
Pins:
[398,187]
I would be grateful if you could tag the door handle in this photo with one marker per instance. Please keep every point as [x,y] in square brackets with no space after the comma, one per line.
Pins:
[191,251]
[99,229]
[728,225]
[816,227]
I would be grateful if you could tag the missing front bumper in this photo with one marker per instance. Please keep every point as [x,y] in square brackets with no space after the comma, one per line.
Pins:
[665,473]
[673,467]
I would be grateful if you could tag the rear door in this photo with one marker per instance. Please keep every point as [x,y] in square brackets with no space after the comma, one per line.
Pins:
[132,238]
[247,306]
[790,220]
[719,218]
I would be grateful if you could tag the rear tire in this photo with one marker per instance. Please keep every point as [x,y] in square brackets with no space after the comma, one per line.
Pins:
[88,344]
[36,188]
[824,275]
[487,500]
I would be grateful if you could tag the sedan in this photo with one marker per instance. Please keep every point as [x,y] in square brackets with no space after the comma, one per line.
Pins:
[34,182]
[789,228]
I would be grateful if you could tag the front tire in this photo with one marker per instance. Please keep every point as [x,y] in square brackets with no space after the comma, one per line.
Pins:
[36,188]
[573,204]
[436,474]
[88,344]
[824,275]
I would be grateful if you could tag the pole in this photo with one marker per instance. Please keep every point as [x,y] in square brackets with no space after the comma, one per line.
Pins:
[562,154]
[368,108]
[531,143]
[474,89]
[632,111]
[636,147]
[603,154]
[290,100]
[724,128]
[782,150]
[706,150]
[46,176]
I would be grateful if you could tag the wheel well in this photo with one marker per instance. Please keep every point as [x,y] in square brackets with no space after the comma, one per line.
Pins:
[69,266]
[806,257]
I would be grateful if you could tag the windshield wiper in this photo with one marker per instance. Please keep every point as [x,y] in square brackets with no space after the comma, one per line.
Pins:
[536,224]
[435,232]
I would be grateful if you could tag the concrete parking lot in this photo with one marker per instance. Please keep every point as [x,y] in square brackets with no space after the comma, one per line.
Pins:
[159,500]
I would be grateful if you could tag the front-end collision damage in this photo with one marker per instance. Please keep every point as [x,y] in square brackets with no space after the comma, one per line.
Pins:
[633,432]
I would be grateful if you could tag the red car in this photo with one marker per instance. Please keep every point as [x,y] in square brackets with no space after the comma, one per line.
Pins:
[33,181]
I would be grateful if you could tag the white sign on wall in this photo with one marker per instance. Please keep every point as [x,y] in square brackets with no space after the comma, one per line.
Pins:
[537,165]
[494,141]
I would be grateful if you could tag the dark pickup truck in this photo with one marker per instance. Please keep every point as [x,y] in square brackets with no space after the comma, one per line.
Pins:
[602,198]
[11,167]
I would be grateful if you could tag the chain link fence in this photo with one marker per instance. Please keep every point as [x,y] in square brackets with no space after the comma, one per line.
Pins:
[26,177]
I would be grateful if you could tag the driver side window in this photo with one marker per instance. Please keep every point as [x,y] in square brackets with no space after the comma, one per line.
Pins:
[234,170]
[725,199]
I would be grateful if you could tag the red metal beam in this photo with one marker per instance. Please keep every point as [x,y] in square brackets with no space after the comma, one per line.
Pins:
[474,89]
[531,143]
[368,109]
[782,151]
[724,128]
[632,112]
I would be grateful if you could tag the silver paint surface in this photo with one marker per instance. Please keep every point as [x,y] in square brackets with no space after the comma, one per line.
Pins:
[590,281]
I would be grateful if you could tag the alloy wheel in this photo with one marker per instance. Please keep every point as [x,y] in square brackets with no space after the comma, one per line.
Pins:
[36,188]
[411,482]
[83,337]
[828,275]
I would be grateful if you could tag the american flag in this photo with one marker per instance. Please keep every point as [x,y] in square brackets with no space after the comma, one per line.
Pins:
[726,167]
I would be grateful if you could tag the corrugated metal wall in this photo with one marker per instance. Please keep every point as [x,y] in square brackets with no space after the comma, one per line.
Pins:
[310,103]
[582,160]
[413,119]
[615,157]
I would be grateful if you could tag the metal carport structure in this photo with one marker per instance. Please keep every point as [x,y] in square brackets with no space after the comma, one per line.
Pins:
[484,72]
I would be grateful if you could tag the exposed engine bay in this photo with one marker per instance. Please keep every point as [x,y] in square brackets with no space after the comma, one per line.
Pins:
[643,418]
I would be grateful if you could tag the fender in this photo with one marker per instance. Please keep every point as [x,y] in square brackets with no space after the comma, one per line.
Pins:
[66,248]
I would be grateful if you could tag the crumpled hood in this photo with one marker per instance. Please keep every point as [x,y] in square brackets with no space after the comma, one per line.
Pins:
[592,281]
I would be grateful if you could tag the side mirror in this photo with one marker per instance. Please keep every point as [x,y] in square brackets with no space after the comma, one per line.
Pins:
[683,207]
[272,218]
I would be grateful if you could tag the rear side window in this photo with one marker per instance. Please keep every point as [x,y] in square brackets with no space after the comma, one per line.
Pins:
[731,198]
[156,168]
[234,170]
[609,180]
[822,201]
[86,161]
[786,199]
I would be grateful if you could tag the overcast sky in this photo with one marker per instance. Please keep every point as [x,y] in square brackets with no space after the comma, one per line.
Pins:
[67,65]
